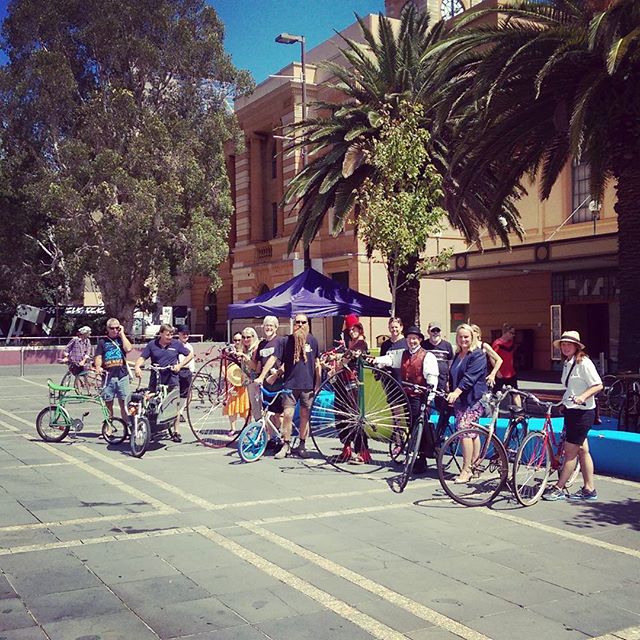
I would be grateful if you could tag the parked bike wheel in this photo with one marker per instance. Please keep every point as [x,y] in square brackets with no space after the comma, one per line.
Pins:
[359,414]
[67,379]
[53,423]
[88,383]
[531,468]
[115,431]
[514,436]
[399,483]
[489,467]
[612,394]
[206,404]
[252,442]
[140,436]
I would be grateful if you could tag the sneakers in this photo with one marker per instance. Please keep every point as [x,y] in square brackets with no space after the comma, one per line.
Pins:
[301,451]
[285,450]
[344,456]
[583,494]
[553,494]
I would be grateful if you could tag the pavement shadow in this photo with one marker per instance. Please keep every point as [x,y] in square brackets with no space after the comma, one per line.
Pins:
[593,514]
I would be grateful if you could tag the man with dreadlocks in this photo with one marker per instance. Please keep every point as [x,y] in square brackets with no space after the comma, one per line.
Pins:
[299,354]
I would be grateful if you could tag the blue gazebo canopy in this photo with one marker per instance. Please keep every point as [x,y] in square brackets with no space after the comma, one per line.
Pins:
[313,294]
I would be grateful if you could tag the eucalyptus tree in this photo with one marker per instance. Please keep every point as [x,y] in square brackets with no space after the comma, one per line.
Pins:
[541,83]
[114,117]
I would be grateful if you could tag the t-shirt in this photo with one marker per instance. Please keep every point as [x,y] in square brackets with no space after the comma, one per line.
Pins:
[165,357]
[505,349]
[394,349]
[113,357]
[191,367]
[443,351]
[301,375]
[267,348]
[583,376]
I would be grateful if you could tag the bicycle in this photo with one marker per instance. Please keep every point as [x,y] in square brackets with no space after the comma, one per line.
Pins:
[210,391]
[54,422]
[361,407]
[85,381]
[539,455]
[412,445]
[152,414]
[253,439]
[488,459]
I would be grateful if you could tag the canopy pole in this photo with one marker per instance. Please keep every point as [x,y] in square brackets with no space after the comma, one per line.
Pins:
[228,330]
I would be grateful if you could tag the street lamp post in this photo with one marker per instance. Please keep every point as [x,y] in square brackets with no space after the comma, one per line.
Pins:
[288,38]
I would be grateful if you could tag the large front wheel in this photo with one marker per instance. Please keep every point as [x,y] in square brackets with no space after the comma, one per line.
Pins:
[357,418]
[472,466]
[53,423]
[531,468]
[140,436]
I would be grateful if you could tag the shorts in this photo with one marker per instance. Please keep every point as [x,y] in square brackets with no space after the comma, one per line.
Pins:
[75,369]
[184,378]
[115,388]
[577,423]
[505,382]
[289,400]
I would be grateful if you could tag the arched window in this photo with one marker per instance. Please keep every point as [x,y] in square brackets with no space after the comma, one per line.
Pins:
[263,289]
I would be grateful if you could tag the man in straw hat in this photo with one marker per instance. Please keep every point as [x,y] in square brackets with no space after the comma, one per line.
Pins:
[582,383]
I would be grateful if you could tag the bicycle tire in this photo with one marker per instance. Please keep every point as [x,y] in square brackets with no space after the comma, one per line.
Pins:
[88,383]
[490,471]
[67,379]
[515,434]
[352,409]
[53,423]
[613,393]
[115,430]
[399,483]
[398,445]
[531,468]
[140,436]
[205,408]
[252,442]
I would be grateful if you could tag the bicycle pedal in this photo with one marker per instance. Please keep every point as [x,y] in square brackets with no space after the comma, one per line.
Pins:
[77,424]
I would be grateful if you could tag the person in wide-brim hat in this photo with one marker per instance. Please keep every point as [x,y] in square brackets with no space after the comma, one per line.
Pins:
[414,331]
[569,336]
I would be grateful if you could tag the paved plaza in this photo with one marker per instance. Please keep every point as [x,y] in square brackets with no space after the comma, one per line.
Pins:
[192,543]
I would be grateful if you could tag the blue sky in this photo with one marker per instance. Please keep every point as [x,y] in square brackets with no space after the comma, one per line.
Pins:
[252,25]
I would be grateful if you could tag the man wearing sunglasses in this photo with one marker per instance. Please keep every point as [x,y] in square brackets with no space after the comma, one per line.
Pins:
[111,359]
[299,353]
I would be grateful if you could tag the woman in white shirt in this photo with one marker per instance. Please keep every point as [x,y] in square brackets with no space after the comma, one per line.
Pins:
[582,382]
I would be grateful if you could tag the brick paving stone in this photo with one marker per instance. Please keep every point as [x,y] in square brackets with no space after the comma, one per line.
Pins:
[82,603]
[156,591]
[123,625]
[14,615]
[53,579]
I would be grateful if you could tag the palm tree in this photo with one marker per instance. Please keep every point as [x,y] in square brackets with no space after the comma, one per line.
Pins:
[539,83]
[380,77]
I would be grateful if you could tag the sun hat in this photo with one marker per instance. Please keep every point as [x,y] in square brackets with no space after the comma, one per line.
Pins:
[84,330]
[234,375]
[569,336]
[415,331]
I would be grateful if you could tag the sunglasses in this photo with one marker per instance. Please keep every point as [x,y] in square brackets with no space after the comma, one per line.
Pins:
[237,339]
[114,328]
[434,330]
[299,322]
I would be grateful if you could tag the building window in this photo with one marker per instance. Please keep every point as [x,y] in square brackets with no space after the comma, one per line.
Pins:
[274,219]
[580,177]
[459,315]
[274,160]
[450,8]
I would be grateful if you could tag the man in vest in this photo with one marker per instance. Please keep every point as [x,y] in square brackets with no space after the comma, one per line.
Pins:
[417,366]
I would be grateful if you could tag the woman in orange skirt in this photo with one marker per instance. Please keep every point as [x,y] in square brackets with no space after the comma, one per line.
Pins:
[237,405]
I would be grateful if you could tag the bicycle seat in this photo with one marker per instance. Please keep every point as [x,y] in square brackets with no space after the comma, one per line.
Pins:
[58,387]
[515,409]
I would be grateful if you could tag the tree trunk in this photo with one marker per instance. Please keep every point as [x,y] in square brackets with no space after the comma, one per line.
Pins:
[407,302]
[628,192]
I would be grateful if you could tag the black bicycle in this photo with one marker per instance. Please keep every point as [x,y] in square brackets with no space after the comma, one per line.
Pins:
[411,447]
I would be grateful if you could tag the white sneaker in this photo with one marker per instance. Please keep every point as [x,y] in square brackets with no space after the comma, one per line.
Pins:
[285,450]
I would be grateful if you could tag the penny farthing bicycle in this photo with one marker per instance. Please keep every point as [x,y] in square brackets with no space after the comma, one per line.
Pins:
[360,417]
[213,386]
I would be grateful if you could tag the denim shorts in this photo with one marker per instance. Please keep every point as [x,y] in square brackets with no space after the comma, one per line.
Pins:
[116,388]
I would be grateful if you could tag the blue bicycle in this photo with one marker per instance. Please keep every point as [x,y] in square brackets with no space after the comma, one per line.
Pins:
[253,439]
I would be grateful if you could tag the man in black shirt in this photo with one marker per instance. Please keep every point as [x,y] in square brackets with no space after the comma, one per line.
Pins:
[299,354]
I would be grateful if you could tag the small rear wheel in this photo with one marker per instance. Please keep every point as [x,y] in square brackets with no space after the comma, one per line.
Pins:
[53,423]
[531,469]
[115,430]
[252,442]
[140,436]
[486,463]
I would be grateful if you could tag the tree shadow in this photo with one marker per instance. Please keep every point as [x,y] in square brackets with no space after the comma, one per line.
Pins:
[600,514]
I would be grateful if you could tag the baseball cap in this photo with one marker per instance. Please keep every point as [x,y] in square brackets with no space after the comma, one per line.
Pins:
[84,330]
[435,325]
[183,328]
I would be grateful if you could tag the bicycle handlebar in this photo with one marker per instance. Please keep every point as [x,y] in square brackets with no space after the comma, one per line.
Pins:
[527,395]
[423,388]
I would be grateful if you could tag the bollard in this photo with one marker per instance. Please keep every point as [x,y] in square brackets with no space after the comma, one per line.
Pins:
[22,362]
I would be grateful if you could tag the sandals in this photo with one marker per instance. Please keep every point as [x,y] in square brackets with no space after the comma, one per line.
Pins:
[463,478]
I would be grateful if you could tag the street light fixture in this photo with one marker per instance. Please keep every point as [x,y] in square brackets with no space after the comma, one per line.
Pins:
[289,38]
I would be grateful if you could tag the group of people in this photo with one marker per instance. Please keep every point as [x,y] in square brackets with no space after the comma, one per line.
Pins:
[169,349]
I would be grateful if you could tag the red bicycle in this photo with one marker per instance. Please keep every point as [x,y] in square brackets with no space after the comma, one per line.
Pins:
[540,454]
